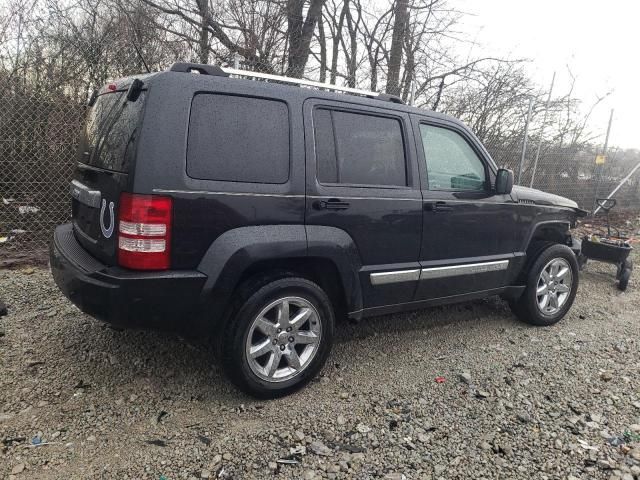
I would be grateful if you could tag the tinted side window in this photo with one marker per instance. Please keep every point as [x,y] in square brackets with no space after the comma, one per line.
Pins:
[359,149]
[451,162]
[238,139]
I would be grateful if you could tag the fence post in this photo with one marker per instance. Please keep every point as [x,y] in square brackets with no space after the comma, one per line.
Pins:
[544,124]
[601,169]
[526,137]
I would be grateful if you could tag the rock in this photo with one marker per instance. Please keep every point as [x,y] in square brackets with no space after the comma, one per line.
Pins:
[216,459]
[309,475]
[620,348]
[18,469]
[298,450]
[635,453]
[482,394]
[341,420]
[273,466]
[362,428]
[2,332]
[344,395]
[423,438]
[395,476]
[606,376]
[5,417]
[205,474]
[439,469]
[524,417]
[299,435]
[485,446]
[91,438]
[557,444]
[635,427]
[227,456]
[320,448]
[595,417]
[465,377]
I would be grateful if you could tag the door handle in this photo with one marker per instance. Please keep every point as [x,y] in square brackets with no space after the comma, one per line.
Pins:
[437,207]
[330,204]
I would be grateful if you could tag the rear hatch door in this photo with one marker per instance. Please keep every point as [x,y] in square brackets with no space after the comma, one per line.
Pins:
[106,157]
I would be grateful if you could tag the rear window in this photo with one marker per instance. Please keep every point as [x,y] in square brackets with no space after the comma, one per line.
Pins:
[111,129]
[359,149]
[238,139]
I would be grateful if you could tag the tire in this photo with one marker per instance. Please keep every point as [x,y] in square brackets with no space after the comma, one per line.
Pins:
[527,308]
[582,261]
[265,298]
[625,275]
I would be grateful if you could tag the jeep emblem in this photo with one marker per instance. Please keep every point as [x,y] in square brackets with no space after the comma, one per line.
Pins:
[107,232]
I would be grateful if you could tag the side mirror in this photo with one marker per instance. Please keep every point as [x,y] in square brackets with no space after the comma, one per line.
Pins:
[504,181]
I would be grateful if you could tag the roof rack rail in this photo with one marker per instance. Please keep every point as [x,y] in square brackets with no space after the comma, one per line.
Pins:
[225,72]
[201,68]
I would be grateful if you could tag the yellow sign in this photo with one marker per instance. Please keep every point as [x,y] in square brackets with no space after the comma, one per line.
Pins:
[600,159]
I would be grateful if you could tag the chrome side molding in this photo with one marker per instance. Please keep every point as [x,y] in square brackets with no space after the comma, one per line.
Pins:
[467,269]
[383,278]
[412,275]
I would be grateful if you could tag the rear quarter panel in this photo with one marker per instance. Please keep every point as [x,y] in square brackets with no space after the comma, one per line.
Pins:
[205,209]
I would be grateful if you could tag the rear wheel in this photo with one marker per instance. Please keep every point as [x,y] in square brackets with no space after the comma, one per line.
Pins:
[552,283]
[278,337]
[624,275]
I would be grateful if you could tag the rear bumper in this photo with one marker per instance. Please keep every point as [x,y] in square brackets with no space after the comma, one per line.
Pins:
[125,298]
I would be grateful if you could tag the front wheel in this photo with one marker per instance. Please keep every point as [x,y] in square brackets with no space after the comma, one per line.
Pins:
[279,337]
[552,283]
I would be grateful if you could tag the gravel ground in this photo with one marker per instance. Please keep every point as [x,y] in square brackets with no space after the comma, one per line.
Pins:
[513,402]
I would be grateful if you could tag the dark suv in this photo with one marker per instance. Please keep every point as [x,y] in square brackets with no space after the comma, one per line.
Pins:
[255,213]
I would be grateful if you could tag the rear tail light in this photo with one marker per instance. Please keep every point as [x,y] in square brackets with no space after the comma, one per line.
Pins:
[144,231]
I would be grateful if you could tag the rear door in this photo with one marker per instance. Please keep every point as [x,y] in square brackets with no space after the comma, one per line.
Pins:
[105,161]
[362,178]
[469,232]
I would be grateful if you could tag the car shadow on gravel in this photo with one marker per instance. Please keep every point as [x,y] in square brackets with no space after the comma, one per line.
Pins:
[492,310]
[164,364]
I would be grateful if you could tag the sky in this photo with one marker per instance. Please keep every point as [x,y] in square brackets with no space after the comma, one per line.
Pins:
[597,40]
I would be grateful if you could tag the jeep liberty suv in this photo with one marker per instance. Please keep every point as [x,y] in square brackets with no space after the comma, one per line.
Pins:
[256,213]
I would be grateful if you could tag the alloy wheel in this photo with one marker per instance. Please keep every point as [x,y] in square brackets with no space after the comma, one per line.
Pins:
[554,286]
[283,339]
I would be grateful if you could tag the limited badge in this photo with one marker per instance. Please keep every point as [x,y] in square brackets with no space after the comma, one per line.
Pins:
[107,232]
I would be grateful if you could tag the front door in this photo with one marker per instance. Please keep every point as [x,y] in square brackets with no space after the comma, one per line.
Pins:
[469,232]
[362,179]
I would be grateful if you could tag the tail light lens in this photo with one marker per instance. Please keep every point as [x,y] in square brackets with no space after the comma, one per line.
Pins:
[144,231]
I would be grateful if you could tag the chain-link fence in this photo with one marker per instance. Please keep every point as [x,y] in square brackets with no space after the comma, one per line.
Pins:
[39,134]
[53,53]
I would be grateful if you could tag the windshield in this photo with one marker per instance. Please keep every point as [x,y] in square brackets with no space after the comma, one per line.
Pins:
[111,129]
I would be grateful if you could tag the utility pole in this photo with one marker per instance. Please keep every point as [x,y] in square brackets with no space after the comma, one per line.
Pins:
[544,124]
[604,157]
[526,138]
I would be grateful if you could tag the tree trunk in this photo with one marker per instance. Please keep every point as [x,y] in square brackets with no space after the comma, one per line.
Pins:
[300,32]
[401,14]
[336,43]
[323,50]
[353,50]
[203,44]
